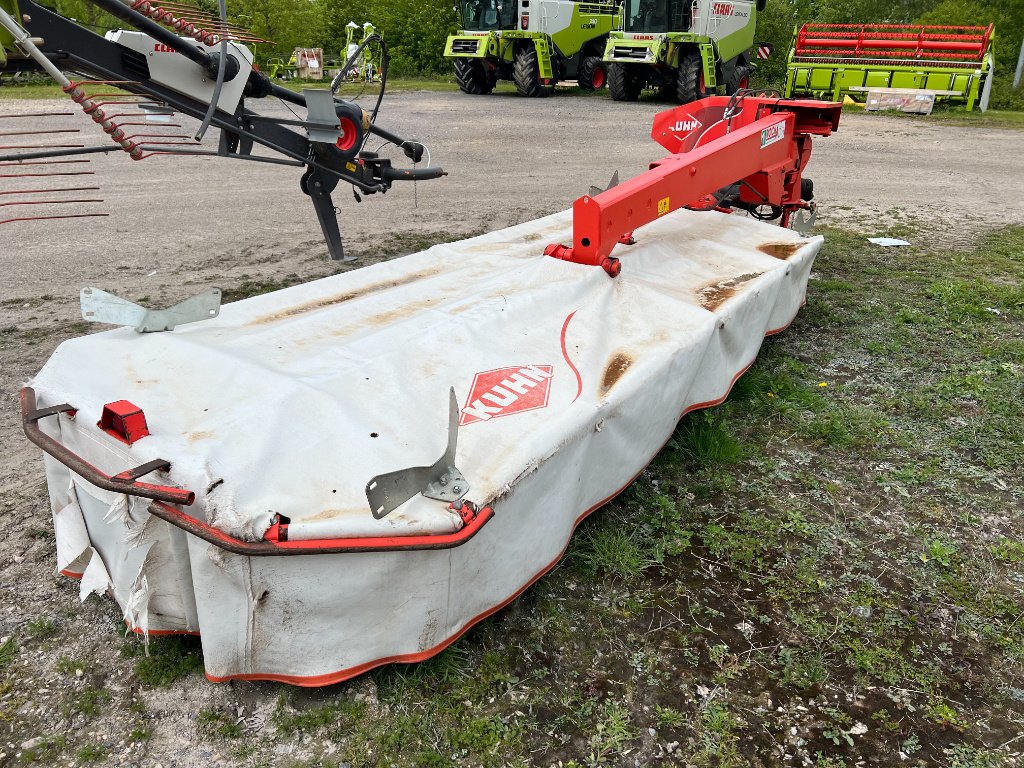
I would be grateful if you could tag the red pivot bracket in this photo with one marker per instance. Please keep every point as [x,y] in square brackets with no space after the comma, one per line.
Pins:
[564,252]
[123,420]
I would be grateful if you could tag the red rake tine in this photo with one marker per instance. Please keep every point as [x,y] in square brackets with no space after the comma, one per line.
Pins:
[47,218]
[48,191]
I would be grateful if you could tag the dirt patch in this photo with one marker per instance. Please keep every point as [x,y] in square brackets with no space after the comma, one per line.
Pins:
[780,250]
[617,366]
[330,301]
[711,297]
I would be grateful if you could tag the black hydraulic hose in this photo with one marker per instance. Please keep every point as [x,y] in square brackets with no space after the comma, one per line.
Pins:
[162,35]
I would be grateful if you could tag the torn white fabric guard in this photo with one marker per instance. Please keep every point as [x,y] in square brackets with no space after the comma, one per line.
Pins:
[72,536]
[95,579]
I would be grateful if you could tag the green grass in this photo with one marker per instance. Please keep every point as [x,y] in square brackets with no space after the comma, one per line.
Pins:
[168,659]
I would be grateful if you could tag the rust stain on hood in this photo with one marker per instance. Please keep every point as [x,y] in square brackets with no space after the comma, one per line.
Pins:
[712,296]
[780,250]
[617,366]
[341,298]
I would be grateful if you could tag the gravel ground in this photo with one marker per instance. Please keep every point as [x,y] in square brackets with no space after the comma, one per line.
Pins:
[177,225]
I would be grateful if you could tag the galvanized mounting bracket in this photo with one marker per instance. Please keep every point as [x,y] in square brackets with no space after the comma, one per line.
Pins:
[613,183]
[323,123]
[441,481]
[102,307]
[804,221]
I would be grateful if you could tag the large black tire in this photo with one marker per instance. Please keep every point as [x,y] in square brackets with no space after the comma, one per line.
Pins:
[592,75]
[690,83]
[624,83]
[472,76]
[740,80]
[526,73]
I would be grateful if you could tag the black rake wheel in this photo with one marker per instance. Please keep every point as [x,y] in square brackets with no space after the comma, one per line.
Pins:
[472,77]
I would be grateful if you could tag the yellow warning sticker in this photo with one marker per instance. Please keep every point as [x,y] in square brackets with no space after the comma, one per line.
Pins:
[351,167]
[663,206]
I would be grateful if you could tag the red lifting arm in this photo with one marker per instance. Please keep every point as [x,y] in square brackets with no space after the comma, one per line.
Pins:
[762,143]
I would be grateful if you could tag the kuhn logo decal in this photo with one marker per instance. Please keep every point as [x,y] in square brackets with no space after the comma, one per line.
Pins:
[505,391]
[773,133]
[685,126]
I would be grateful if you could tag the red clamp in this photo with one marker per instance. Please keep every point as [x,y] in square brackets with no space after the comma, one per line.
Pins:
[467,510]
[565,253]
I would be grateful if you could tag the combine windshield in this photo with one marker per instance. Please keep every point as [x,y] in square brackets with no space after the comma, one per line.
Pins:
[489,14]
[657,15]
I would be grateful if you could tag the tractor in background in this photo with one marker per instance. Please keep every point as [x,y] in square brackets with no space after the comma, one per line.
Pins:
[686,49]
[534,43]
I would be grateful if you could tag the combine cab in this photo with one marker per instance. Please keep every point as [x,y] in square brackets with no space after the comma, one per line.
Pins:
[685,49]
[835,60]
[535,44]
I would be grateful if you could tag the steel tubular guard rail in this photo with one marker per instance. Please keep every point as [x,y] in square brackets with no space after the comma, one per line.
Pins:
[125,483]
[164,496]
[229,543]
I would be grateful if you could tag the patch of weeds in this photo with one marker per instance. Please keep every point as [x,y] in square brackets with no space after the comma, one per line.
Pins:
[940,712]
[718,742]
[47,751]
[8,650]
[140,733]
[334,714]
[667,717]
[169,659]
[802,668]
[217,722]
[968,756]
[703,439]
[612,731]
[69,666]
[91,753]
[1009,551]
[90,701]
[41,628]
[609,548]
[250,287]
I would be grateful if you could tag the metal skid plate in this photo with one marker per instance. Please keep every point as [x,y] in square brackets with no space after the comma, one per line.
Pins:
[441,481]
[102,307]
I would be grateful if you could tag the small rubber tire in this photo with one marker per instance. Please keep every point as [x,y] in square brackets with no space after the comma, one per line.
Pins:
[592,75]
[526,73]
[739,81]
[690,83]
[472,77]
[623,83]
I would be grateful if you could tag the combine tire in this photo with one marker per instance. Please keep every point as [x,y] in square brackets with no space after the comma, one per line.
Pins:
[690,85]
[472,77]
[592,75]
[740,79]
[624,83]
[526,73]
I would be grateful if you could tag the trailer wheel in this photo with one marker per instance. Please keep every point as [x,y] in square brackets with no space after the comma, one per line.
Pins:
[690,85]
[592,75]
[526,73]
[740,80]
[472,77]
[624,83]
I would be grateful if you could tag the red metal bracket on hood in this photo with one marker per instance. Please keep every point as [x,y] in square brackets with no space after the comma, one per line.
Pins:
[124,482]
[762,143]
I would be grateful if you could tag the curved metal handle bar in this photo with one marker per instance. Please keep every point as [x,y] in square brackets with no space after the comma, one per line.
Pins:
[218,538]
[126,482]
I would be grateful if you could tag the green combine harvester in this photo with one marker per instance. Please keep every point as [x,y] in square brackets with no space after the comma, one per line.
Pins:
[534,43]
[831,61]
[687,49]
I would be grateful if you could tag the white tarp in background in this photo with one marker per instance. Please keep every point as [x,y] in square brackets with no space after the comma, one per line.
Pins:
[289,403]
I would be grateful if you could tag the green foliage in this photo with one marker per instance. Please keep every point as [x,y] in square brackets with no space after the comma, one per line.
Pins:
[8,650]
[169,659]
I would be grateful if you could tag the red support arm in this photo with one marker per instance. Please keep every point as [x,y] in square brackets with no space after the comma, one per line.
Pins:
[765,142]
